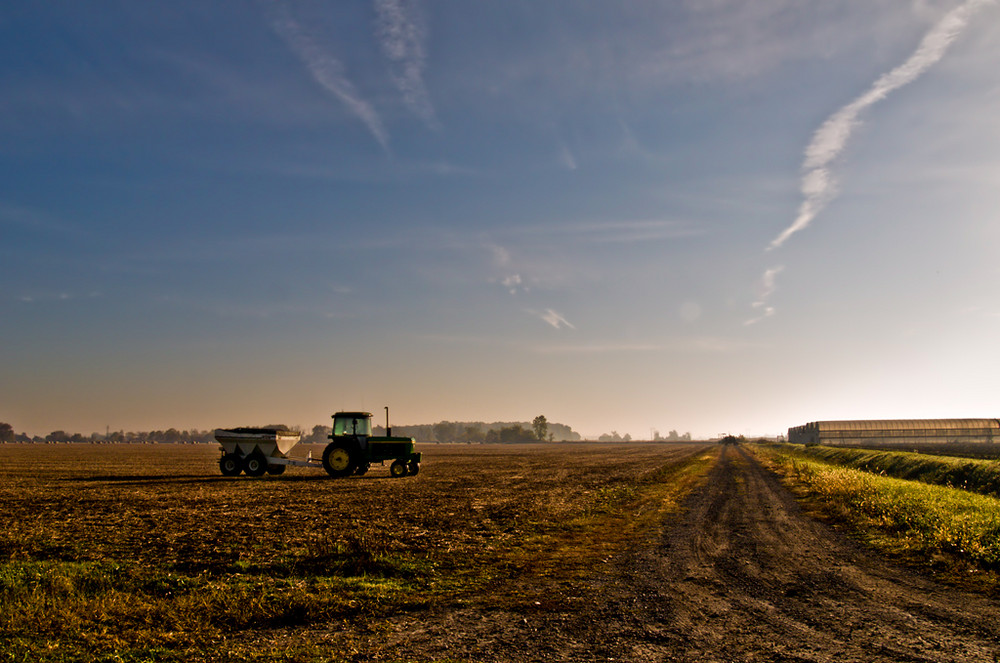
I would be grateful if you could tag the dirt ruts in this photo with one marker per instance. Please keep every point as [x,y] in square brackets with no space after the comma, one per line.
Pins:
[741,574]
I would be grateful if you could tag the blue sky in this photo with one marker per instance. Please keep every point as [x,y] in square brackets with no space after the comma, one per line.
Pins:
[703,216]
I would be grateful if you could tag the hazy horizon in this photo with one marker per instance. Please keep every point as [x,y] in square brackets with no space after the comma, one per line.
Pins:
[719,217]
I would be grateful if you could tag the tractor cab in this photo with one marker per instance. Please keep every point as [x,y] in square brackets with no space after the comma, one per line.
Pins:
[352,424]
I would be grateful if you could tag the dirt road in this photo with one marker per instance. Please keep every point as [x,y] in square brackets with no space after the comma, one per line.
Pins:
[740,575]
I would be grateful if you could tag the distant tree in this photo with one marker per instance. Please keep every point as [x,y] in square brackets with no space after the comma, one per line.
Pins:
[510,435]
[318,435]
[57,436]
[445,431]
[6,433]
[540,425]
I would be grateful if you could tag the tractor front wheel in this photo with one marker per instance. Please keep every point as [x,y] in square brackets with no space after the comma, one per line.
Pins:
[397,469]
[414,467]
[362,469]
[338,461]
[231,465]
[275,470]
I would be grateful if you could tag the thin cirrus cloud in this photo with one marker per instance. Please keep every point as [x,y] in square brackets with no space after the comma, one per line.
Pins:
[402,35]
[327,70]
[555,319]
[818,185]
[768,283]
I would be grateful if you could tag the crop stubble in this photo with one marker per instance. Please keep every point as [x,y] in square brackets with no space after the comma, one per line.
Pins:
[147,549]
[568,553]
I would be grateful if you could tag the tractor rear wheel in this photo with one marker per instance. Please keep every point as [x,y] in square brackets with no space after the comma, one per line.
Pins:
[414,467]
[397,469]
[255,464]
[231,465]
[275,470]
[339,460]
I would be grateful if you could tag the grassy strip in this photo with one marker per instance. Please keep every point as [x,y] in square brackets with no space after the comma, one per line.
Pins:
[56,611]
[945,527]
[979,476]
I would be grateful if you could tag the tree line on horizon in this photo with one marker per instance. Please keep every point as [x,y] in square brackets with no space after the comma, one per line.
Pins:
[458,432]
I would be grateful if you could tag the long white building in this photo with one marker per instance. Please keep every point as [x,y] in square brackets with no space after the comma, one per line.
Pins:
[890,431]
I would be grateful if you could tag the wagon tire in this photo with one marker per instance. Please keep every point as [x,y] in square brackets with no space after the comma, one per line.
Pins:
[339,460]
[414,467]
[397,469]
[275,470]
[230,465]
[255,464]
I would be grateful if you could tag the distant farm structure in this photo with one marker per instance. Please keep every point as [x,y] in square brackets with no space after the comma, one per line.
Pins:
[896,431]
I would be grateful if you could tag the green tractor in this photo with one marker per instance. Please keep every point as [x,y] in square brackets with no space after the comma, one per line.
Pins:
[354,449]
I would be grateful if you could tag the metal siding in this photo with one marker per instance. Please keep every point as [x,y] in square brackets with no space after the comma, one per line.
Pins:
[898,430]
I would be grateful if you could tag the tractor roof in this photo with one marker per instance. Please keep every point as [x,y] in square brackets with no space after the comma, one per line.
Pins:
[352,415]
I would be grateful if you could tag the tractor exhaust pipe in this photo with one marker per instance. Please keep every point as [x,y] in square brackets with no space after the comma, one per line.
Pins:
[388,431]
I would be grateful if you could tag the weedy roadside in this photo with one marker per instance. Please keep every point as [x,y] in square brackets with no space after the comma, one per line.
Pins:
[953,532]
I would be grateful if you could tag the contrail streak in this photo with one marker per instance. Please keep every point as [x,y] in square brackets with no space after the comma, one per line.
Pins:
[818,185]
[328,72]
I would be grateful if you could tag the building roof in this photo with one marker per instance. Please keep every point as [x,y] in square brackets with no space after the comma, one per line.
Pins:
[863,425]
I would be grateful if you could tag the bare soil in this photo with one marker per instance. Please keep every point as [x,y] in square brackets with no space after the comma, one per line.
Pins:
[740,574]
[535,553]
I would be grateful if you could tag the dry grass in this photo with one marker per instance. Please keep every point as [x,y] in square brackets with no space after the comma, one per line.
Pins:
[951,530]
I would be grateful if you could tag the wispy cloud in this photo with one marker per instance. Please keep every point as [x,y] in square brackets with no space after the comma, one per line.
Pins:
[512,283]
[35,220]
[595,349]
[555,319]
[684,345]
[511,280]
[327,70]
[566,158]
[818,185]
[401,34]
[62,296]
[765,288]
[615,231]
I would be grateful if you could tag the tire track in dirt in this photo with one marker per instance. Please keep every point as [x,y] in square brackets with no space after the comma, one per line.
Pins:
[740,574]
[744,575]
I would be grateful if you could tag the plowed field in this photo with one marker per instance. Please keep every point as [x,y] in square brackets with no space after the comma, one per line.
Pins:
[547,552]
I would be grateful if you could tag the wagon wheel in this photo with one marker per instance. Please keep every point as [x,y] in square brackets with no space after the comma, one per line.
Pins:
[275,470]
[338,460]
[398,468]
[230,465]
[414,467]
[255,464]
